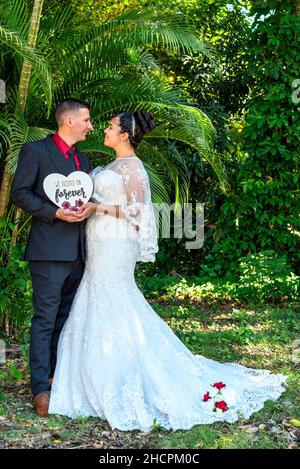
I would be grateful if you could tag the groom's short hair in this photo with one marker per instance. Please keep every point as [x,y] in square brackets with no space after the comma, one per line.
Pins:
[68,105]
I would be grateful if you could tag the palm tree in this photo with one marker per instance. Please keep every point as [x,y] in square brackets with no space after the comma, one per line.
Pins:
[110,65]
[16,42]
[25,77]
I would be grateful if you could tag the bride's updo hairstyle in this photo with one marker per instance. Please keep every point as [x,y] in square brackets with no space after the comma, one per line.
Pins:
[136,124]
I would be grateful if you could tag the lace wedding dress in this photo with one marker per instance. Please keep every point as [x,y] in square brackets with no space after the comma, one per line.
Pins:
[117,359]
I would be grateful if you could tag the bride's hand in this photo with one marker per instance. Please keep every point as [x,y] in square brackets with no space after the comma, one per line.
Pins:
[66,215]
[86,211]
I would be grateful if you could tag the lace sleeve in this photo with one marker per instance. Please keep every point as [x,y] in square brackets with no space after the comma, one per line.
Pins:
[95,171]
[139,209]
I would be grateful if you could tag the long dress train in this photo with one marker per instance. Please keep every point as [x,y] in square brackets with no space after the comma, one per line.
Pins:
[117,359]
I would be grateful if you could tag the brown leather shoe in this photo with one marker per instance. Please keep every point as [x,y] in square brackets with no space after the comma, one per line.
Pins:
[41,403]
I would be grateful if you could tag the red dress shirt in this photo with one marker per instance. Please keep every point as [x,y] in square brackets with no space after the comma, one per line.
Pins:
[64,147]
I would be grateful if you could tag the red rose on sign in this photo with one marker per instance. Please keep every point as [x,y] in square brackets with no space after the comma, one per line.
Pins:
[221,405]
[66,205]
[206,397]
[79,203]
[219,385]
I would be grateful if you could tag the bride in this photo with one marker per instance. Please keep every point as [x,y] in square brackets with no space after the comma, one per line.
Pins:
[117,359]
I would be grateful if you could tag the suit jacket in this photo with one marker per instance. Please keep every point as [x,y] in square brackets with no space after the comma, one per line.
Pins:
[50,239]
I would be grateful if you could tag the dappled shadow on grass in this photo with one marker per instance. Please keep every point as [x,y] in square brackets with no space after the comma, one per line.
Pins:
[257,337]
[207,291]
[226,346]
[20,427]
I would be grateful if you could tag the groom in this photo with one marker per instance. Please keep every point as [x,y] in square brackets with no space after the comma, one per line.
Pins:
[56,245]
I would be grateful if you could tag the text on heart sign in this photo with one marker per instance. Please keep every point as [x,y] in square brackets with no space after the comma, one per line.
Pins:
[69,192]
[66,195]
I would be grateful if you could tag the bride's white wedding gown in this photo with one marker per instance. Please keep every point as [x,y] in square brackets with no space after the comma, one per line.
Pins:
[117,359]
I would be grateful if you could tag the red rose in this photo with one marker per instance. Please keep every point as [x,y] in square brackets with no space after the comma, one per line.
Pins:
[221,405]
[79,203]
[219,385]
[206,397]
[66,205]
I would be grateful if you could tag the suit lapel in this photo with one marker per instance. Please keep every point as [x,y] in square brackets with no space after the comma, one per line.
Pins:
[57,158]
[60,162]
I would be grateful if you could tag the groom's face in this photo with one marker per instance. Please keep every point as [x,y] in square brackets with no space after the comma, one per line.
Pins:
[81,124]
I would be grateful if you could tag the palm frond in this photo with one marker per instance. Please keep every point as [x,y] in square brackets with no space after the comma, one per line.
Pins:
[110,65]
[13,40]
[54,26]
[107,42]
[150,26]
[15,16]
[170,169]
[15,132]
[130,91]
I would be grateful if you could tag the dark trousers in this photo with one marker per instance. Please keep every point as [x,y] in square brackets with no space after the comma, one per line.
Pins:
[54,284]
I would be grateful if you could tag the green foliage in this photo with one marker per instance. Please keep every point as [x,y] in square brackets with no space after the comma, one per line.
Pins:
[108,63]
[13,42]
[257,278]
[126,55]
[263,213]
[220,87]
[155,427]
[257,337]
[96,10]
[15,286]
[14,372]
[263,276]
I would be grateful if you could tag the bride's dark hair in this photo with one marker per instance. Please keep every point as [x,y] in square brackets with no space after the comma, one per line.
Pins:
[136,124]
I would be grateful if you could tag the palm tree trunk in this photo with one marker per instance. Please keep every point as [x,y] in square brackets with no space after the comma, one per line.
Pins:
[23,93]
[32,38]
[5,187]
[24,81]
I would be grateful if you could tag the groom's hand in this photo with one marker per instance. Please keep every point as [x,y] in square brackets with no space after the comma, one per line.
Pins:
[66,215]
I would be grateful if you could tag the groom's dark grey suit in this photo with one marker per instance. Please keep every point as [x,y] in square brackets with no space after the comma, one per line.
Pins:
[55,251]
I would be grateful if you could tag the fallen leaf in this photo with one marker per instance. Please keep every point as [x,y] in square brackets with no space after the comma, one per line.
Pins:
[293,446]
[262,427]
[295,357]
[99,445]
[296,343]
[250,429]
[295,422]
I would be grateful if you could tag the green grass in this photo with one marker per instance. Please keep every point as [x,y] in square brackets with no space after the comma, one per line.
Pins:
[257,336]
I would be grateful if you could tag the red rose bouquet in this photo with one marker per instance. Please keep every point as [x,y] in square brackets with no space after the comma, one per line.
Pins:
[219,403]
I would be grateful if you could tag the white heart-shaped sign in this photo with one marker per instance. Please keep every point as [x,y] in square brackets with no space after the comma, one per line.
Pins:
[69,192]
